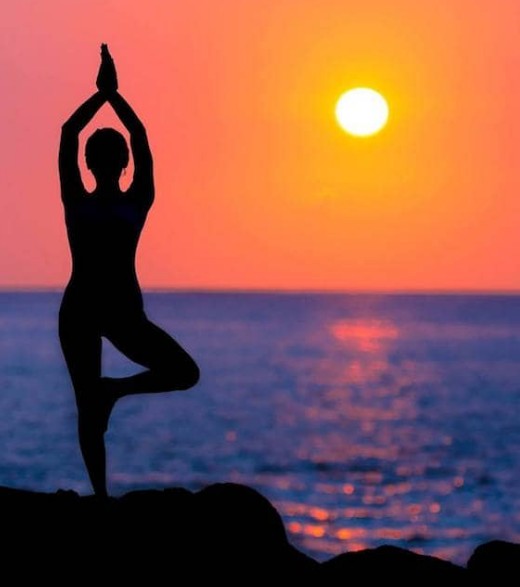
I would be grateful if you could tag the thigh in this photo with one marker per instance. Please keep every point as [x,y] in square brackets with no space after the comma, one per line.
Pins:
[81,345]
[143,342]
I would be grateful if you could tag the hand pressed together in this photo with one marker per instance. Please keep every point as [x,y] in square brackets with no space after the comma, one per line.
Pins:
[106,81]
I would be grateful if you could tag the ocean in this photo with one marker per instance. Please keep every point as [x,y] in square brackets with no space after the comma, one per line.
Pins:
[366,419]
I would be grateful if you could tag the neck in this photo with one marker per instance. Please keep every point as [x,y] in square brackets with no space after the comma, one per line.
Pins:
[107,185]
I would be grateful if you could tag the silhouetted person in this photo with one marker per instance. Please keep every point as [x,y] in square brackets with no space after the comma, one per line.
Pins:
[103,297]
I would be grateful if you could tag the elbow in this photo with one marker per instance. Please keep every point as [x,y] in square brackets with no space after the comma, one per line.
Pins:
[68,128]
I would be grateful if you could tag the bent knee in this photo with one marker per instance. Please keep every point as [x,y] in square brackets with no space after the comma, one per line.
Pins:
[178,375]
[190,377]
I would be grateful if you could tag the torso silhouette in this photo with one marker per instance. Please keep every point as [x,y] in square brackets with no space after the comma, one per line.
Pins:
[103,231]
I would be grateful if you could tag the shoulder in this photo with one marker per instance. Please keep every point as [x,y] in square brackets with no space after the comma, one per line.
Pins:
[140,196]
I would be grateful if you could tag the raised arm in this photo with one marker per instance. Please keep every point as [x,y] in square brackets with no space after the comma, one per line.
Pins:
[70,177]
[142,187]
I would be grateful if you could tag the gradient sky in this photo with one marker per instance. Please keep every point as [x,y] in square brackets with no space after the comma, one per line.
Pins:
[257,187]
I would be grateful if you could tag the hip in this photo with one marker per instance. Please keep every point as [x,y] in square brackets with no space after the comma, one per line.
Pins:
[97,307]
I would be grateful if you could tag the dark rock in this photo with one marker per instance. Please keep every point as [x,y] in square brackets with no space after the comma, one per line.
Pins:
[393,565]
[228,531]
[225,534]
[496,562]
[243,527]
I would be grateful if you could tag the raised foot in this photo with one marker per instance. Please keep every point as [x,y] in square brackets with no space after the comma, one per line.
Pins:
[95,409]
[106,399]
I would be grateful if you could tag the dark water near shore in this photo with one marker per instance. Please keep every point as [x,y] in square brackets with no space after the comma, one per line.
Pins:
[366,419]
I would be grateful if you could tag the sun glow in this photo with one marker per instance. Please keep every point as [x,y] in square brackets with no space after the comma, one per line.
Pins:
[362,112]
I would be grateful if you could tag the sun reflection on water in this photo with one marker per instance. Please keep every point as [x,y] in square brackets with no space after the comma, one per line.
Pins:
[386,481]
[368,335]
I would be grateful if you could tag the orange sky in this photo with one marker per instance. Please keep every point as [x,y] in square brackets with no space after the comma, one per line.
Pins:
[257,187]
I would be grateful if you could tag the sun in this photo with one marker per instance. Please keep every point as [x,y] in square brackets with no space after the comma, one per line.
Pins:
[362,112]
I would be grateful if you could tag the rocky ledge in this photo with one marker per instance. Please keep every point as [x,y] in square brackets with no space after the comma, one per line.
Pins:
[226,533]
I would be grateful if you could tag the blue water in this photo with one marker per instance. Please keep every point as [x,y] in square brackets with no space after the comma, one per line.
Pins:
[366,419]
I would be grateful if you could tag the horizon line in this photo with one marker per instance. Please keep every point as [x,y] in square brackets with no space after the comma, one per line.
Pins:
[288,291]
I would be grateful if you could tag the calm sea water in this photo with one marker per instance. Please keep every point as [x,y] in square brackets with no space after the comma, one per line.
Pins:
[366,419]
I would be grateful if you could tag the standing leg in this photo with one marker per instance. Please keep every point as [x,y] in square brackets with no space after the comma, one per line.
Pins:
[81,346]
[170,367]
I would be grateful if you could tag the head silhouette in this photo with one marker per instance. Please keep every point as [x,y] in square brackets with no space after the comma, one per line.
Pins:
[106,154]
